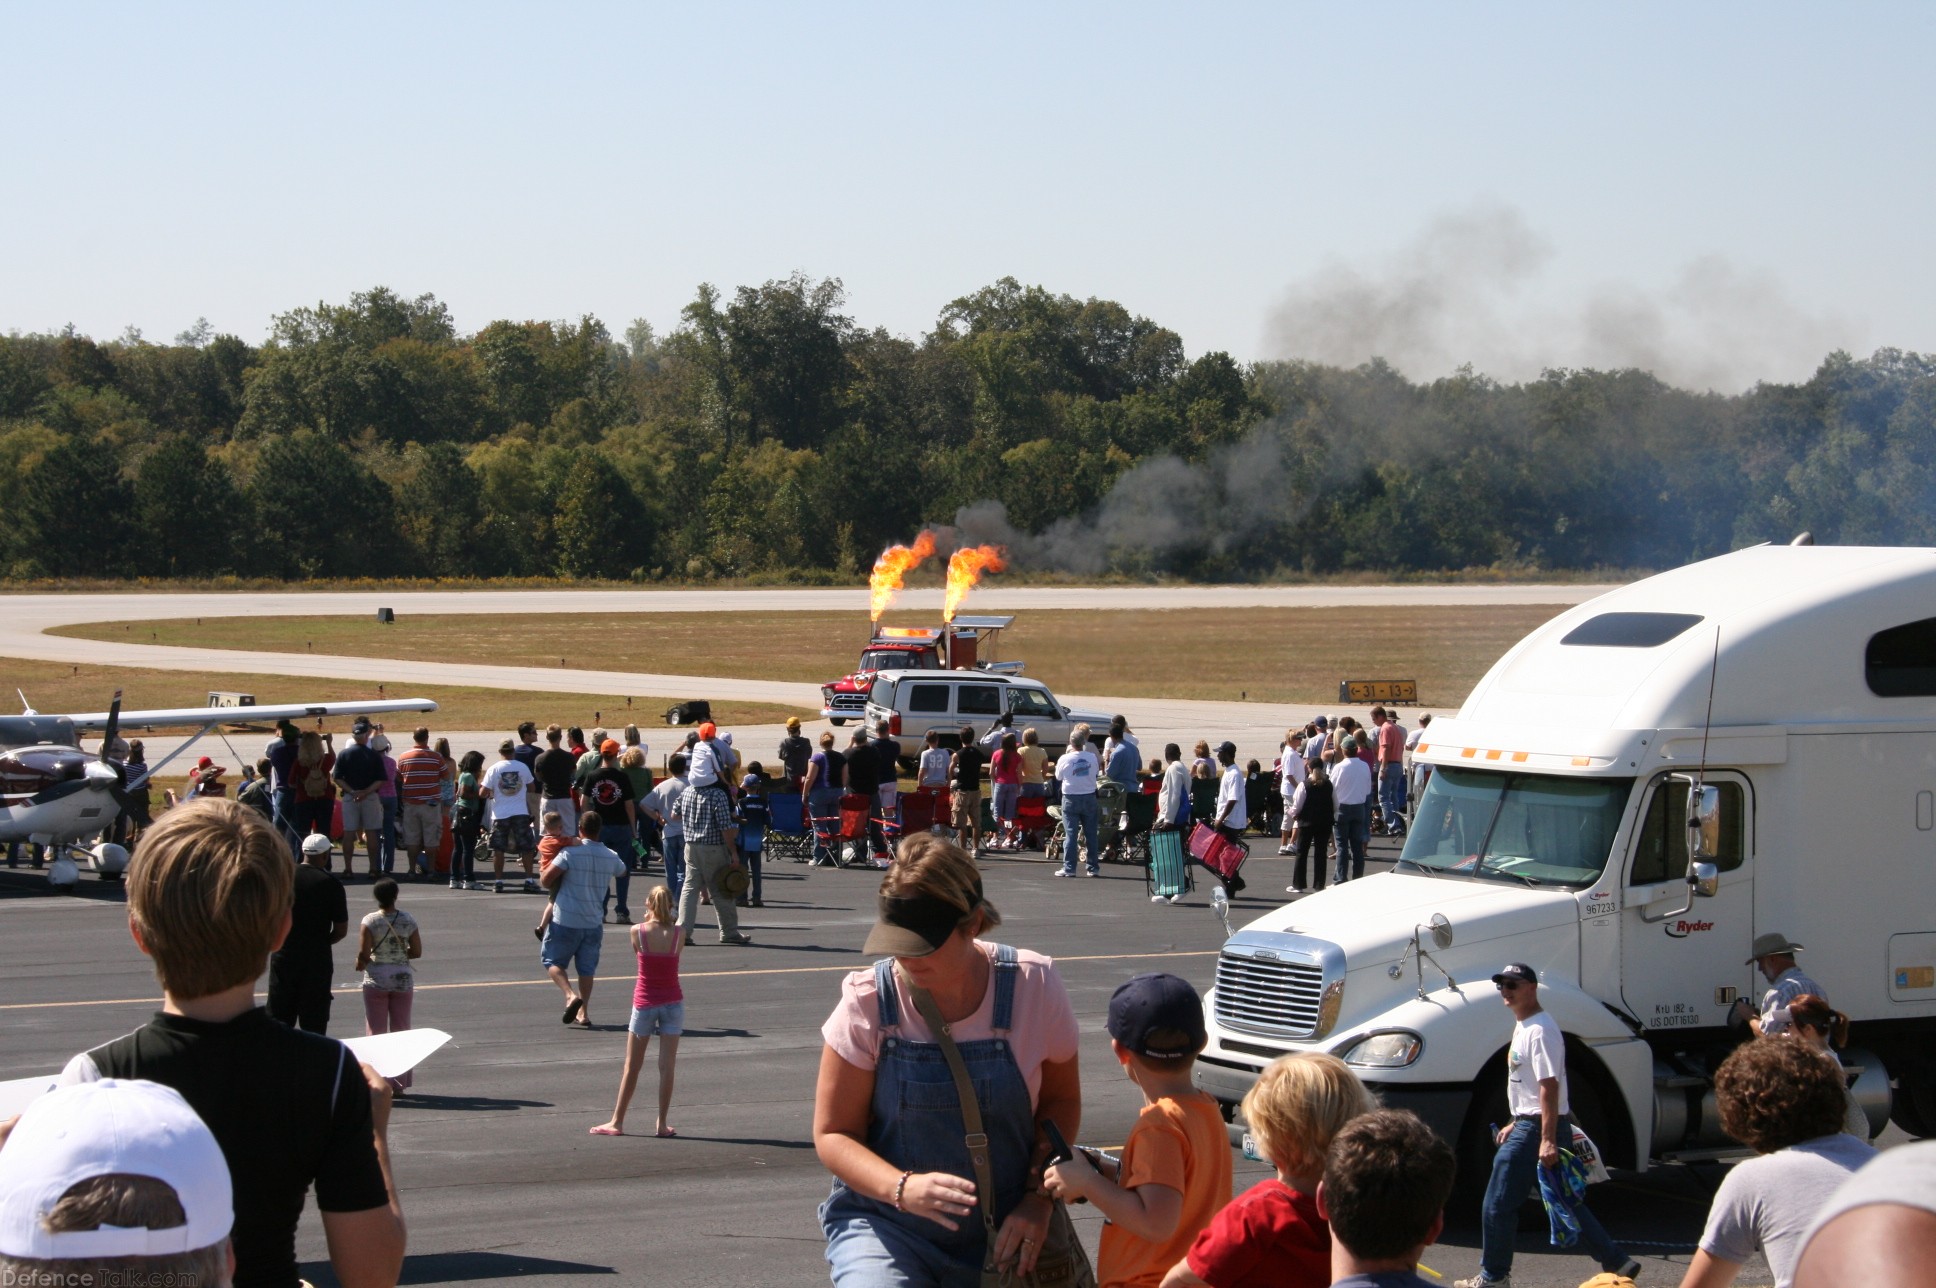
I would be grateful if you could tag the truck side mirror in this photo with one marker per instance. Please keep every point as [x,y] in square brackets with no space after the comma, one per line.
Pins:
[1704,879]
[1703,823]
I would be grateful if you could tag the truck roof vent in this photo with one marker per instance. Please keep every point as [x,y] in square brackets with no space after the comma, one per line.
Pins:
[1631,630]
[1901,661]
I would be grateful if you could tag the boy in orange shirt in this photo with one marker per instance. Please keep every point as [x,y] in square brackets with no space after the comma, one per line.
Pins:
[1174,1175]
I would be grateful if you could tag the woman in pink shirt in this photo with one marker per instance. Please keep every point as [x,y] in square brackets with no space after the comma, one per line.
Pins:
[1005,772]
[658,1006]
[887,1118]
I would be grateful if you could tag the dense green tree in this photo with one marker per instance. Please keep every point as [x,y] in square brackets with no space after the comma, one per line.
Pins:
[186,508]
[600,529]
[318,513]
[73,513]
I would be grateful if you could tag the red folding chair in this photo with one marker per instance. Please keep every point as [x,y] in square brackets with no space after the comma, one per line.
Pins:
[1032,819]
[921,809]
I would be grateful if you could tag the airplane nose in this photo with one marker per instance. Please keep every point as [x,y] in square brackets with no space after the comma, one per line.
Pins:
[100,776]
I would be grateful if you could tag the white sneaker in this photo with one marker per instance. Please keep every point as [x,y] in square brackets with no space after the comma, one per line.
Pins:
[1287,849]
[1157,898]
[1293,889]
[1480,1281]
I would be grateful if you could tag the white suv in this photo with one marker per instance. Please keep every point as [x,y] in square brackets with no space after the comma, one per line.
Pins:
[913,702]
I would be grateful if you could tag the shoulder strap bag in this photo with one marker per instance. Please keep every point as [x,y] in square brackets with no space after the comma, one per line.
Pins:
[1063,1262]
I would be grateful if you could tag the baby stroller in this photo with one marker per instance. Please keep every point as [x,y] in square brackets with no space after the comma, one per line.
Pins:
[1139,816]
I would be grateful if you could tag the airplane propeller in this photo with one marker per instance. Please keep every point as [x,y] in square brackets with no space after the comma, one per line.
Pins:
[103,773]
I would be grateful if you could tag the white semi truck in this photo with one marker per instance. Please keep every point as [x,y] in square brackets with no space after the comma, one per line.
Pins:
[1796,685]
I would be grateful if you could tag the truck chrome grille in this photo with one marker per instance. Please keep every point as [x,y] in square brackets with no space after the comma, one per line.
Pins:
[848,703]
[1277,998]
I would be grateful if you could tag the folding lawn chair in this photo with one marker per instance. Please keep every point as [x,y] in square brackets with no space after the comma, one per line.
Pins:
[1139,816]
[826,837]
[1032,820]
[788,834]
[855,811]
[1222,856]
[1203,799]
[1168,874]
[921,809]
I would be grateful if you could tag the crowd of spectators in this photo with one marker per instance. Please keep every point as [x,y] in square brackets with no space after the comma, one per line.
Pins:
[948,1081]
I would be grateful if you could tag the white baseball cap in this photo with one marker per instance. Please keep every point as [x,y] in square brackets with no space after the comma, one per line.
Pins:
[113,1126]
[315,843]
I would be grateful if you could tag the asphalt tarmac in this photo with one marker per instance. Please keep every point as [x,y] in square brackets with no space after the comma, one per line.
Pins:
[499,1176]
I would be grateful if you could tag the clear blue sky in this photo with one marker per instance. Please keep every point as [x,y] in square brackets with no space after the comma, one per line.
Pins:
[1201,164]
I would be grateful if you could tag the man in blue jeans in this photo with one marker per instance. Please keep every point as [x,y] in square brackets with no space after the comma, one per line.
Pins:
[1351,790]
[1536,1095]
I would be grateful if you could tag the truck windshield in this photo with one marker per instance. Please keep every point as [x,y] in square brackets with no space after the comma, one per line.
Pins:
[894,659]
[1528,828]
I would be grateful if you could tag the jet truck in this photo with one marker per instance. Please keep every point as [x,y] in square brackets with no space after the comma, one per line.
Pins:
[1630,795]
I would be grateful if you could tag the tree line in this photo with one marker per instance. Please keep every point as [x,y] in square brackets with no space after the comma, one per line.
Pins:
[771,436]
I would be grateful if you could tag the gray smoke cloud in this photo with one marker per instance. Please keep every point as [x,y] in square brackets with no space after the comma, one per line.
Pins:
[1160,509]
[1468,289]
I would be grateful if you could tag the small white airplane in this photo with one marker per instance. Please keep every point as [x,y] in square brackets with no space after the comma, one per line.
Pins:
[54,794]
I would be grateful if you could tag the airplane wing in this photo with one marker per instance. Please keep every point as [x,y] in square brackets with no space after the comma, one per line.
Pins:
[249,715]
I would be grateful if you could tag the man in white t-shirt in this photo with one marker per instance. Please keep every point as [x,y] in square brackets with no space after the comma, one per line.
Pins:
[504,786]
[1290,777]
[1351,799]
[1078,772]
[1536,1095]
[1233,810]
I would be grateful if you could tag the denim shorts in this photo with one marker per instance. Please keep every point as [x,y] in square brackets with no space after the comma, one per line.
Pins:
[668,1021]
[563,943]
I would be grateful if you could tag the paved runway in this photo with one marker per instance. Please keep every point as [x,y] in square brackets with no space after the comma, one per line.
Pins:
[1256,727]
[499,1176]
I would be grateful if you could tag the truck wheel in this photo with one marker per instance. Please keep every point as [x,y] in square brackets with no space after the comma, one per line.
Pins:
[1475,1146]
[836,721]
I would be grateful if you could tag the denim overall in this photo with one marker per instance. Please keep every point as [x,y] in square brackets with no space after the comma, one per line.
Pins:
[916,1124]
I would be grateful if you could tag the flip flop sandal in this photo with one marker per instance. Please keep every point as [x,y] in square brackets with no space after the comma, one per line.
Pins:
[572,1008]
[606,1131]
[667,1134]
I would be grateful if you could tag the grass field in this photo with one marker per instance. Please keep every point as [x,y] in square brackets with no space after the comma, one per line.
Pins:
[1262,654]
[56,687]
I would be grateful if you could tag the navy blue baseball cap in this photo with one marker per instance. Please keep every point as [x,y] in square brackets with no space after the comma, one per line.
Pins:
[1158,1016]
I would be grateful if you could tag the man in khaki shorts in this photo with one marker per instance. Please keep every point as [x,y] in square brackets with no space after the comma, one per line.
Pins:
[420,777]
[359,773]
[965,773]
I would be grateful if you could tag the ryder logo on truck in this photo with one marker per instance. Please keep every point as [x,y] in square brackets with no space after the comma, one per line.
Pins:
[1683,928]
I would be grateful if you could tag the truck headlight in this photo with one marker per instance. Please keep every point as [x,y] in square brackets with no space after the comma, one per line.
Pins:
[1392,1049]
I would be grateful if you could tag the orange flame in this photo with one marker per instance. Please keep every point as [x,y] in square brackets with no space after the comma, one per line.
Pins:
[965,569]
[894,564]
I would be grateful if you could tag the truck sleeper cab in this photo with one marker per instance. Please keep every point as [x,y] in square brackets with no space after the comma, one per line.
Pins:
[1552,831]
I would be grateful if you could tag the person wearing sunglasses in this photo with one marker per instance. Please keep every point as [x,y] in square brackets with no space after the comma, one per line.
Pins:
[1536,1095]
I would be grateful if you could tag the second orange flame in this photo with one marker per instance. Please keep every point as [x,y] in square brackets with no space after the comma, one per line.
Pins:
[965,568]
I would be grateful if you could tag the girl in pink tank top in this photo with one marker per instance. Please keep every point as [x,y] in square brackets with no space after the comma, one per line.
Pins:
[658,1007]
